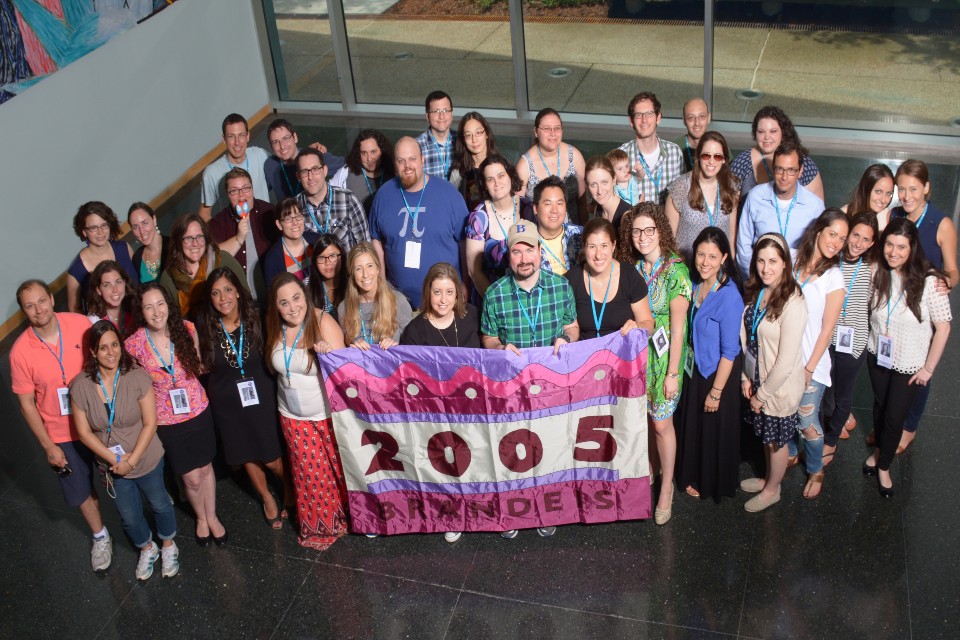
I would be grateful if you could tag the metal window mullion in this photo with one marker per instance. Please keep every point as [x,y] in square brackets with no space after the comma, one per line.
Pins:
[341,53]
[519,50]
[708,6]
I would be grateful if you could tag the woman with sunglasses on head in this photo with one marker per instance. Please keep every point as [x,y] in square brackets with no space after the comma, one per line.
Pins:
[909,326]
[708,418]
[296,334]
[772,380]
[116,418]
[110,297]
[646,241]
[166,346]
[705,197]
[550,156]
[151,258]
[97,225]
[328,277]
[292,252]
[874,194]
[474,143]
[241,390]
[372,312]
[193,255]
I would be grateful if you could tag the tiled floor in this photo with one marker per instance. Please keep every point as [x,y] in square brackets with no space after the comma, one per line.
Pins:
[848,565]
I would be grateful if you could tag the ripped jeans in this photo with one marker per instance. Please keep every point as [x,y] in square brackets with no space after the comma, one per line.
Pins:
[809,412]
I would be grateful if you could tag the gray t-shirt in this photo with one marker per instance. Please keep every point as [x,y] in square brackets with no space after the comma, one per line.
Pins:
[404,313]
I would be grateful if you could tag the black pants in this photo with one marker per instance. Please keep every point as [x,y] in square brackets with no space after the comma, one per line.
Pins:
[838,398]
[892,397]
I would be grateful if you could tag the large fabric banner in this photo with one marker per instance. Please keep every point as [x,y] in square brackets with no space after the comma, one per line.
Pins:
[440,439]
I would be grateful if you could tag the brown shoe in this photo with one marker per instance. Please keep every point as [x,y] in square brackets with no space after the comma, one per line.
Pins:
[872,439]
[814,482]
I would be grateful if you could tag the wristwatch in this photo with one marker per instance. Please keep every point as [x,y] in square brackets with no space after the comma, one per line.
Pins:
[565,337]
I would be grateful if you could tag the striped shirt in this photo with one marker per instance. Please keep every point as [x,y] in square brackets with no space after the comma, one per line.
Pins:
[857,311]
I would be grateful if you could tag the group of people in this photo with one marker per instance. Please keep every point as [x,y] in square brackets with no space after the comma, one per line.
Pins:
[759,304]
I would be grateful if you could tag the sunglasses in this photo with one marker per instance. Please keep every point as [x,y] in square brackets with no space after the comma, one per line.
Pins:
[717,157]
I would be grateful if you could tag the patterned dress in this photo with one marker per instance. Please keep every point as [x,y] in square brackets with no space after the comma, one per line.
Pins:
[663,286]
[770,429]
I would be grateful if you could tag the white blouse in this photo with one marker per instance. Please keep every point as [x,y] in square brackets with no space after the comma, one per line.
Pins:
[304,397]
[911,339]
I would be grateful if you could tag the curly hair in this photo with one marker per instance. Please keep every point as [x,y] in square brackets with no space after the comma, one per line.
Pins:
[628,253]
[208,318]
[95,208]
[184,349]
[95,304]
[91,339]
[386,150]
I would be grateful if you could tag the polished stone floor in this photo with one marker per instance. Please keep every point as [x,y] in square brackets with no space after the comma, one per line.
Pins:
[848,565]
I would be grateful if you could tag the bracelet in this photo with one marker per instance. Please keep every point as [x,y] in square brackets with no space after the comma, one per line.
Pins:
[714,398]
[808,371]
[673,375]
[928,370]
[118,458]
[716,389]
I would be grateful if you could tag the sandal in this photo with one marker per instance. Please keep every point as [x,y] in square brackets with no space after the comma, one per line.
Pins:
[275,523]
[693,493]
[851,423]
[793,461]
[828,456]
[815,479]
[844,434]
[872,439]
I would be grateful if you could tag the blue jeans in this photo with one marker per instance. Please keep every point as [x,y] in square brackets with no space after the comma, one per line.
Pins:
[810,417]
[129,505]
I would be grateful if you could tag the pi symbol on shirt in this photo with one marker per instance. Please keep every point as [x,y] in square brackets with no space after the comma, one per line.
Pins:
[417,231]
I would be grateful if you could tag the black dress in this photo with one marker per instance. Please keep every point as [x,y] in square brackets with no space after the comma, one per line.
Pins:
[631,289]
[463,332]
[247,434]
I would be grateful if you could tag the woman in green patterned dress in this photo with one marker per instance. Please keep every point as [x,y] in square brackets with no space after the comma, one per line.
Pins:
[646,241]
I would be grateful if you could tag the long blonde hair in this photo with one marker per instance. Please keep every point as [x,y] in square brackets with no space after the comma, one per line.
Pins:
[384,321]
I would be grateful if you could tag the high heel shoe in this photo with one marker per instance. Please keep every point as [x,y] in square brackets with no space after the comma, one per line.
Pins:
[221,540]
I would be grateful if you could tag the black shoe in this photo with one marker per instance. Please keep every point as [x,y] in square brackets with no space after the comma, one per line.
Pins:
[868,470]
[884,491]
[221,540]
[203,540]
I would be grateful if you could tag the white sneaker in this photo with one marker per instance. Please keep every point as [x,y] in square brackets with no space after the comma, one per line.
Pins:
[452,536]
[148,556]
[101,553]
[372,535]
[546,532]
[509,535]
[170,565]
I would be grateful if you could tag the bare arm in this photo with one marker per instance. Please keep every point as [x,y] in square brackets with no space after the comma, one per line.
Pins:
[148,415]
[28,407]
[678,322]
[474,251]
[73,294]
[937,347]
[642,314]
[524,172]
[379,248]
[831,313]
[816,186]
[493,342]
[673,215]
[204,212]
[724,369]
[580,166]
[331,332]
[947,239]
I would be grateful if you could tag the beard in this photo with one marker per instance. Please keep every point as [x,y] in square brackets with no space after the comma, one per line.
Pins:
[409,180]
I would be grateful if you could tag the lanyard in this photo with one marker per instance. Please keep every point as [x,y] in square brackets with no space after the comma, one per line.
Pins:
[246,163]
[758,315]
[366,335]
[367,180]
[328,305]
[846,296]
[295,261]
[63,373]
[171,370]
[544,162]
[313,216]
[716,206]
[296,341]
[796,274]
[233,346]
[689,150]
[593,305]
[890,311]
[543,243]
[442,151]
[767,167]
[625,196]
[776,204]
[695,307]
[922,215]
[494,209]
[536,318]
[112,401]
[646,171]
[416,212]
[654,273]
[286,178]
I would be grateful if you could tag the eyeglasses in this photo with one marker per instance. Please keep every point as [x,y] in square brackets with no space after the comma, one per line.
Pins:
[333,257]
[312,171]
[646,231]
[93,228]
[479,133]
[281,141]
[240,190]
[556,129]
[696,117]
[439,112]
[717,157]
[792,171]
[292,217]
[644,115]
[200,239]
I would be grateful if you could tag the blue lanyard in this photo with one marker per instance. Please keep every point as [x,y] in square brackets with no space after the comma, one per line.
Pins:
[328,305]
[543,243]
[689,150]
[366,335]
[767,167]
[646,171]
[890,311]
[63,373]
[593,305]
[536,318]
[846,296]
[796,274]
[694,307]
[292,257]
[650,277]
[776,203]
[416,212]
[494,209]
[544,162]
[316,223]
[442,151]
[286,178]
[628,196]
[365,179]
[296,341]
[922,216]
[246,163]
[716,206]
[758,315]
[171,369]
[233,346]
[112,401]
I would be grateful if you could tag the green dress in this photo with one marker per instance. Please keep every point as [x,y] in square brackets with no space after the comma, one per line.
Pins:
[663,286]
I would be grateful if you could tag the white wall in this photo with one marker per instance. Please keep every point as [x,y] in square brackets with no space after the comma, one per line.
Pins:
[119,125]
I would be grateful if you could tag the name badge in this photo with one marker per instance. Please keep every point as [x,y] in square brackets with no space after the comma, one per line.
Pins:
[844,339]
[411,255]
[292,400]
[63,396]
[688,363]
[661,344]
[885,351]
[117,450]
[180,401]
[248,393]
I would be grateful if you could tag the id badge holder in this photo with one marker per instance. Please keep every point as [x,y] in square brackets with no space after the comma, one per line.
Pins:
[292,400]
[844,339]
[885,352]
[248,393]
[180,401]
[63,397]
[661,344]
[117,450]
[688,363]
[411,255]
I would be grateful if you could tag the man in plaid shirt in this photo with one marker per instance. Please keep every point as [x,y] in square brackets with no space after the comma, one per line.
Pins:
[328,209]
[436,143]
[655,162]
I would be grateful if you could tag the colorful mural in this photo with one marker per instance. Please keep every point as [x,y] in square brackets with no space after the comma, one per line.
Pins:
[38,37]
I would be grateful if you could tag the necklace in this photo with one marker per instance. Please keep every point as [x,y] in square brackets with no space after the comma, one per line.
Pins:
[229,350]
[456,333]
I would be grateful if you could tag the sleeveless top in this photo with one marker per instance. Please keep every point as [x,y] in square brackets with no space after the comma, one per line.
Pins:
[928,233]
[570,183]
[693,221]
[121,254]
